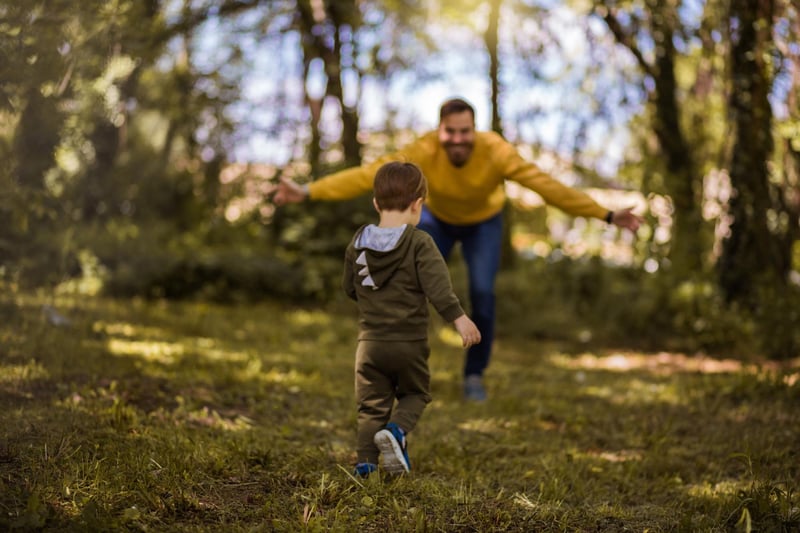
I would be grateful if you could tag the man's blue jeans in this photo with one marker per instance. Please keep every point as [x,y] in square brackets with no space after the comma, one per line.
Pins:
[480,246]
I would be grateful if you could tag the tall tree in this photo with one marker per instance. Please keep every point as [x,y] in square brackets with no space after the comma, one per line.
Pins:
[752,255]
[327,31]
[789,125]
[72,84]
[492,41]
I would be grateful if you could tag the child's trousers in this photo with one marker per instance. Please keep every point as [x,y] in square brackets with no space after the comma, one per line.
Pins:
[387,371]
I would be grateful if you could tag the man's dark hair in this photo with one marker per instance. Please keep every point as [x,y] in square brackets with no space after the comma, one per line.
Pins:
[455,105]
[397,185]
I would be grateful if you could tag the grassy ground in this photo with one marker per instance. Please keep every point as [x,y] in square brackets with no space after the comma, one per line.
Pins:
[192,417]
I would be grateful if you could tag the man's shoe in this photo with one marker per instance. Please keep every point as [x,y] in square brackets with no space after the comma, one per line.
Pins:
[473,388]
[391,441]
[364,469]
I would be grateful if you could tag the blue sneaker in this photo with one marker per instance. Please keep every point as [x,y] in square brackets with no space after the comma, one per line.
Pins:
[392,443]
[364,469]
[473,388]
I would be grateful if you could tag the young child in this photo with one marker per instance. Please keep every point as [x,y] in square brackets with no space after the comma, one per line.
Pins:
[392,270]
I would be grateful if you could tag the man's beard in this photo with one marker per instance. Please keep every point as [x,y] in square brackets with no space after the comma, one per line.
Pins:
[460,155]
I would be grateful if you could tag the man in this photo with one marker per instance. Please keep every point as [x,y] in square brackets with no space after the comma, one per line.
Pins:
[466,171]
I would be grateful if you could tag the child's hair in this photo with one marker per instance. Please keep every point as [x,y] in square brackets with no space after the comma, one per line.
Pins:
[397,185]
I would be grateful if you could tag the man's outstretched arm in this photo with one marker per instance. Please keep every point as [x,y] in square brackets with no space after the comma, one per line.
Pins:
[625,218]
[287,191]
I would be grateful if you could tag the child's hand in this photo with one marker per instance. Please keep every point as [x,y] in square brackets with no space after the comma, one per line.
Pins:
[468,331]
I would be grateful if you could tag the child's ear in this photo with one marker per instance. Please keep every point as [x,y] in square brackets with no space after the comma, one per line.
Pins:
[375,205]
[418,203]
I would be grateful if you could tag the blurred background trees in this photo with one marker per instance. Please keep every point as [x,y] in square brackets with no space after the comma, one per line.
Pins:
[139,140]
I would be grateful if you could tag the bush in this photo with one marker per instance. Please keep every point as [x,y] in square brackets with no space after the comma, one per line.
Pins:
[777,317]
[587,300]
[158,265]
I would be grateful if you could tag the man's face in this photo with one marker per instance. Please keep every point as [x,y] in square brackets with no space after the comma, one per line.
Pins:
[457,135]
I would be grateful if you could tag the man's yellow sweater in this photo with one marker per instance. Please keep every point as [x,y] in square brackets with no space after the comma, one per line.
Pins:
[468,194]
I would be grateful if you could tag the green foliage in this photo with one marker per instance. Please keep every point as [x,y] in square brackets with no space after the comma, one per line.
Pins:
[35,250]
[199,417]
[298,256]
[157,260]
[765,505]
[80,83]
[777,317]
[585,300]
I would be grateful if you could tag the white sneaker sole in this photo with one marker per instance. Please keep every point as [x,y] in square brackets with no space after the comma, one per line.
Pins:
[392,454]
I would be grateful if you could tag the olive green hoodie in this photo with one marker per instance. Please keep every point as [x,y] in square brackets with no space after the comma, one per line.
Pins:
[392,273]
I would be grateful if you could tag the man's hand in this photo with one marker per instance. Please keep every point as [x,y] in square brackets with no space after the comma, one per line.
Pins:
[625,218]
[288,192]
[468,331]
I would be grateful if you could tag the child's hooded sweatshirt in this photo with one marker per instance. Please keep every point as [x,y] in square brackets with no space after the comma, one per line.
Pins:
[392,273]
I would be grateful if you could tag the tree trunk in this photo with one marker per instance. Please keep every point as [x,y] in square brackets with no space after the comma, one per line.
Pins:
[791,145]
[322,38]
[349,115]
[35,139]
[752,256]
[682,180]
[491,40]
[315,113]
[105,139]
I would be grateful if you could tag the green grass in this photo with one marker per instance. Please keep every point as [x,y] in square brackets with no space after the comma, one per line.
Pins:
[154,416]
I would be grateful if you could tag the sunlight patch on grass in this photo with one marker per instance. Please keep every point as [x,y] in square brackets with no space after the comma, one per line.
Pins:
[250,371]
[320,424]
[637,392]
[134,340]
[616,456]
[728,487]
[218,354]
[208,349]
[309,318]
[548,506]
[210,418]
[128,330]
[18,373]
[487,425]
[663,363]
[157,351]
[295,381]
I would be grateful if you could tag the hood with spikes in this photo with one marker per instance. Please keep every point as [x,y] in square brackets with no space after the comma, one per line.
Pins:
[380,252]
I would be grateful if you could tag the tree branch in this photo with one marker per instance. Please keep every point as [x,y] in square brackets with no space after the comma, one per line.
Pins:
[198,17]
[624,38]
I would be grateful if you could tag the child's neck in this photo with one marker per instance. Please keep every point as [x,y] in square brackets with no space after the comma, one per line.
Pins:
[394,219]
